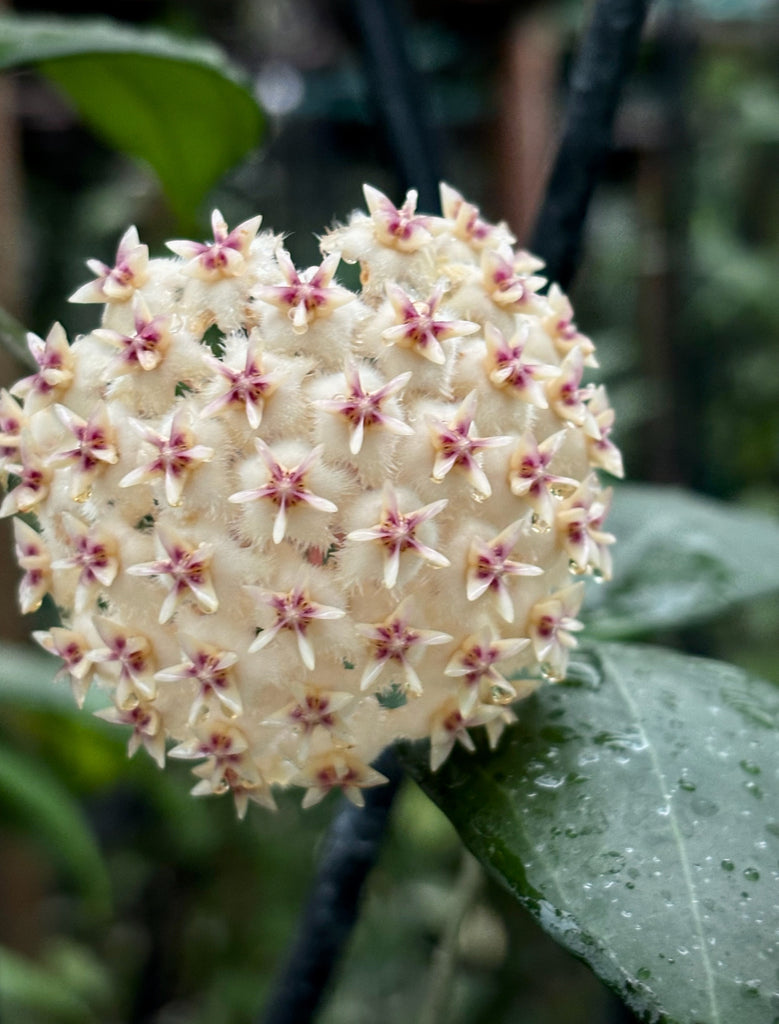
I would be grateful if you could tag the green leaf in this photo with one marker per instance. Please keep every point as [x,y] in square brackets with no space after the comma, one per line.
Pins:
[27,680]
[27,987]
[680,559]
[634,811]
[34,795]
[177,104]
[13,338]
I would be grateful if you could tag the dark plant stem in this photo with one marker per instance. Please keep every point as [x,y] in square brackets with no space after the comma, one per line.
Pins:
[607,55]
[350,851]
[401,98]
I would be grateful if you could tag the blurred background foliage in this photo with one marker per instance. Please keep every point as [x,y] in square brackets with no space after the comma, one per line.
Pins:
[124,900]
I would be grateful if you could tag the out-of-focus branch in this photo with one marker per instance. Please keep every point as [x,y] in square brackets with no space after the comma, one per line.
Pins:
[351,850]
[401,98]
[607,55]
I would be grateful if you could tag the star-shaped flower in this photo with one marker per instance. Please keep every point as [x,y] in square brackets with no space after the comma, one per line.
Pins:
[238,775]
[12,422]
[184,569]
[228,766]
[220,740]
[490,569]
[147,728]
[131,653]
[449,725]
[600,448]
[456,448]
[248,388]
[419,328]
[225,257]
[396,533]
[32,556]
[35,475]
[529,475]
[551,623]
[579,522]
[400,228]
[56,364]
[467,225]
[314,708]
[507,283]
[395,639]
[566,397]
[307,296]
[559,324]
[209,667]
[143,350]
[75,651]
[177,456]
[117,283]
[363,409]
[285,487]
[295,611]
[509,369]
[95,555]
[473,664]
[336,769]
[94,450]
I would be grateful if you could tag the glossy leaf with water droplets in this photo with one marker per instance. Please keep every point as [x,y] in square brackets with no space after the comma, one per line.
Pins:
[634,811]
[681,559]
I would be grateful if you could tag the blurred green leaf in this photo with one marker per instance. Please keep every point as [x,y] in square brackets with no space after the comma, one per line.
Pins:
[34,795]
[13,338]
[26,676]
[29,989]
[634,811]
[680,559]
[177,104]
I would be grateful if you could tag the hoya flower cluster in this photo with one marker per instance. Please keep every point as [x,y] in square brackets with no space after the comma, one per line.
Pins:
[286,524]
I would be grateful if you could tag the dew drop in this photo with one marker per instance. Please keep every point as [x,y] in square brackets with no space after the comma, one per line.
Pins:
[751,874]
[749,767]
[727,865]
[548,782]
[705,808]
[539,525]
[687,785]
[643,974]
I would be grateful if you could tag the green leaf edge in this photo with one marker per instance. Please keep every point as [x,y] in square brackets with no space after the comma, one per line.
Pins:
[25,985]
[78,37]
[51,43]
[37,796]
[605,626]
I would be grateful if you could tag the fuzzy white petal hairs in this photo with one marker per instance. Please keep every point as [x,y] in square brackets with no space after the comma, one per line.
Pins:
[287,523]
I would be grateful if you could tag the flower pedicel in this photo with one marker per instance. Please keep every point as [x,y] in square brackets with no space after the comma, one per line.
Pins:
[286,524]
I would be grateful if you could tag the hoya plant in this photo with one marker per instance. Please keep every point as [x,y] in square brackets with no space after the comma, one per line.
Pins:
[313,535]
